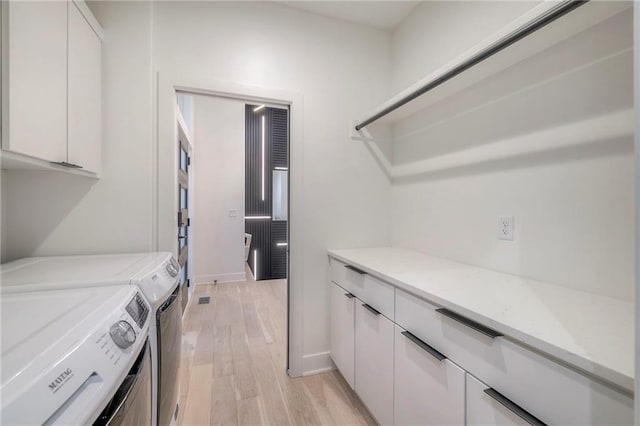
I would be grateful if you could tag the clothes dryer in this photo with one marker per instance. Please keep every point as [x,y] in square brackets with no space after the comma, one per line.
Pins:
[157,276]
[76,357]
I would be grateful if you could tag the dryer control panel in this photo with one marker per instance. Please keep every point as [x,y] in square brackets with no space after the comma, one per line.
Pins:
[158,280]
[139,310]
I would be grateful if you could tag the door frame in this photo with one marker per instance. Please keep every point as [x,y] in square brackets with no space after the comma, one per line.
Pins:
[165,184]
[636,64]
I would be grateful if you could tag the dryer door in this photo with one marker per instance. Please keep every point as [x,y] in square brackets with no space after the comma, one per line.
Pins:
[131,405]
[169,325]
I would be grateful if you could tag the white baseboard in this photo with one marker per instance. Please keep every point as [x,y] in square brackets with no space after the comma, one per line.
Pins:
[316,363]
[221,278]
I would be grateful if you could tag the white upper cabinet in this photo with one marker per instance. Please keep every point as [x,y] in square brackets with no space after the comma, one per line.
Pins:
[85,93]
[36,84]
[51,86]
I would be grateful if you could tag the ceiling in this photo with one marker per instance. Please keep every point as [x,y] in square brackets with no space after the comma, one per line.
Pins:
[385,15]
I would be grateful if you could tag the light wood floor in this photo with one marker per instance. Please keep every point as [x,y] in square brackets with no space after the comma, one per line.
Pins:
[234,360]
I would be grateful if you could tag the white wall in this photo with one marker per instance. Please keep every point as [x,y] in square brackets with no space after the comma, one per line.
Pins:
[218,166]
[51,213]
[564,199]
[437,31]
[335,70]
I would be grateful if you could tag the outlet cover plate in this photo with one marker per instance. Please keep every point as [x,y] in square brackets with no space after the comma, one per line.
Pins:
[505,228]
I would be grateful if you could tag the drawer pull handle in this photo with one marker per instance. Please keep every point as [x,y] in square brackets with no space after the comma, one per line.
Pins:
[65,164]
[354,269]
[437,355]
[371,309]
[469,323]
[514,408]
[349,295]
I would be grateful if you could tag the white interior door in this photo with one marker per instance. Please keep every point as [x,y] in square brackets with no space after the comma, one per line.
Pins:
[184,220]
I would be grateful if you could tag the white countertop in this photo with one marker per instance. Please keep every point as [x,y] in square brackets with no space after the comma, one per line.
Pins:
[592,332]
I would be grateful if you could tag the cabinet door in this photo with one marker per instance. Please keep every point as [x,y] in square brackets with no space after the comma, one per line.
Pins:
[482,410]
[429,389]
[543,387]
[342,330]
[37,80]
[374,362]
[85,109]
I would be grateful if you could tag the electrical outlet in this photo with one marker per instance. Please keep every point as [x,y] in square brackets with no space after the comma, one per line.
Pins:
[233,213]
[505,228]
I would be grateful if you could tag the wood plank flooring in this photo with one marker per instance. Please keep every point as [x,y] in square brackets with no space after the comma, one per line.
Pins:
[234,361]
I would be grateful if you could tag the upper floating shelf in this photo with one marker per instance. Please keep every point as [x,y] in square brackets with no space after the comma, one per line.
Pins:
[542,27]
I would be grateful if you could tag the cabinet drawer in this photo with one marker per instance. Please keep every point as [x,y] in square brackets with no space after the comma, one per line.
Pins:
[349,279]
[342,330]
[371,290]
[380,295]
[482,410]
[374,363]
[428,390]
[551,392]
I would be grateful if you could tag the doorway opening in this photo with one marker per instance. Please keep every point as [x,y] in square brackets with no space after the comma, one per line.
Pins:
[266,191]
[238,203]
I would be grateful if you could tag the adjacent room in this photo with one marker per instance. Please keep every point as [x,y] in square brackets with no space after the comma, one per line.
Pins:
[319,212]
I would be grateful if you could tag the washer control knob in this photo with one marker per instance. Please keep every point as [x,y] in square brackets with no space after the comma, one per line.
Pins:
[123,334]
[172,270]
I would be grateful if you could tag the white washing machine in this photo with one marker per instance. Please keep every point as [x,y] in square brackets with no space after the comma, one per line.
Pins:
[157,276]
[76,357]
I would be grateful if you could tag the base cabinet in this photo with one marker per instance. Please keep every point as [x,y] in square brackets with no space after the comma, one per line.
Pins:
[342,329]
[482,410]
[429,390]
[547,389]
[412,363]
[374,362]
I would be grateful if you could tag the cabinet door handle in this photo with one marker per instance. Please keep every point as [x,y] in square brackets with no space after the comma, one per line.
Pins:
[434,352]
[514,408]
[354,269]
[65,164]
[469,323]
[349,295]
[371,309]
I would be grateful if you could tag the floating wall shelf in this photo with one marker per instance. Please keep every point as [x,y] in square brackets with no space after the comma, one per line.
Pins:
[544,26]
[586,43]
